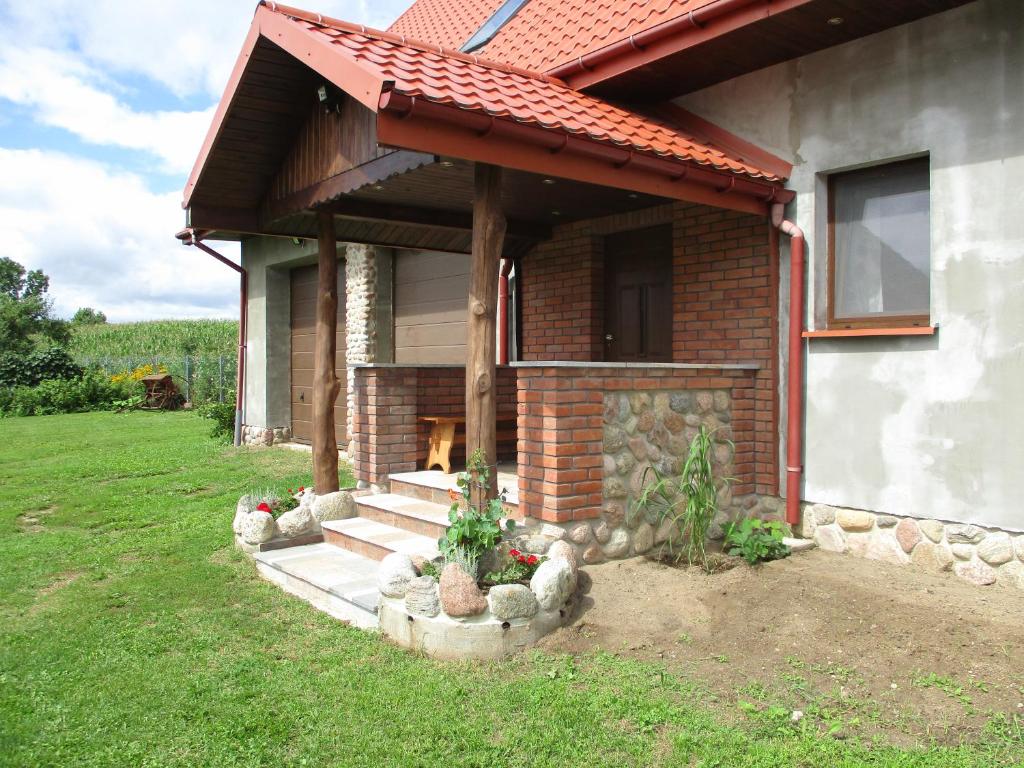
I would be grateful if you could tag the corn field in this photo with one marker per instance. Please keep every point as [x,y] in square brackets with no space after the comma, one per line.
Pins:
[158,338]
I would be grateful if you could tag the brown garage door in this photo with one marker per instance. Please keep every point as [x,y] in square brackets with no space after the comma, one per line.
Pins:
[304,282]
[431,291]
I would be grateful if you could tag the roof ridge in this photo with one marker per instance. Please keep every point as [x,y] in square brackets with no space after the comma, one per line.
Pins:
[391,37]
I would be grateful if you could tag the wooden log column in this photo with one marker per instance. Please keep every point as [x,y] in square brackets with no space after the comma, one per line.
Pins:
[488,238]
[325,381]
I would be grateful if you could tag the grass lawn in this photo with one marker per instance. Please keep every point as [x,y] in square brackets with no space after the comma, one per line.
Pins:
[134,634]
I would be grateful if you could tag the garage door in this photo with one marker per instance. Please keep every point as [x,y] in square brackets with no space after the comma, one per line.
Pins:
[303,315]
[431,292]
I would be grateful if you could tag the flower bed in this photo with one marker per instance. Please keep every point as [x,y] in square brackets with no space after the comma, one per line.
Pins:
[267,520]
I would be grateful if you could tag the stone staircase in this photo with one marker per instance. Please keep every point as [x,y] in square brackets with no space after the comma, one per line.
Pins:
[338,575]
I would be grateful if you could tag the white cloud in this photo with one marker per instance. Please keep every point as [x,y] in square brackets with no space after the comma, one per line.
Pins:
[107,241]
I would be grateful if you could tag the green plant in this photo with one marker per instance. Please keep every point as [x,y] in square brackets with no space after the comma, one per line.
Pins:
[91,392]
[432,569]
[519,567]
[689,502]
[475,529]
[756,540]
[223,417]
[39,365]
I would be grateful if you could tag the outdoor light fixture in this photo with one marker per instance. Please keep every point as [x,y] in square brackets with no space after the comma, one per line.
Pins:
[378,187]
[322,93]
[547,181]
[447,163]
[632,195]
[328,99]
[556,213]
[835,21]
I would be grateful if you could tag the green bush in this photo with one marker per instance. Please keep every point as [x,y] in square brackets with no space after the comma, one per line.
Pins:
[756,540]
[223,417]
[92,392]
[40,365]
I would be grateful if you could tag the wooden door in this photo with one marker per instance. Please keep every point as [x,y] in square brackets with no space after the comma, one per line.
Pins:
[638,295]
[303,319]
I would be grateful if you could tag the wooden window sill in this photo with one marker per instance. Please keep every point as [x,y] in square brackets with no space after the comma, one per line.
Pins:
[838,333]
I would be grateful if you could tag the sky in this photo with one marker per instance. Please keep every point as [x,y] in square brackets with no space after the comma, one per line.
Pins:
[103,108]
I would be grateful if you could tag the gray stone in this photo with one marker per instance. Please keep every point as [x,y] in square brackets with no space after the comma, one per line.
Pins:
[975,572]
[268,436]
[932,557]
[639,402]
[933,529]
[614,439]
[824,514]
[908,534]
[534,544]
[460,596]
[829,538]
[705,402]
[603,532]
[295,522]
[614,514]
[240,512]
[611,408]
[638,446]
[394,574]
[885,547]
[618,543]
[579,534]
[645,423]
[806,527]
[964,534]
[664,532]
[614,488]
[963,551]
[625,462]
[996,548]
[680,402]
[674,423]
[886,521]
[551,584]
[662,403]
[1018,547]
[257,528]
[563,550]
[857,544]
[512,601]
[593,554]
[1011,574]
[609,464]
[421,597]
[660,436]
[855,520]
[722,400]
[798,545]
[643,538]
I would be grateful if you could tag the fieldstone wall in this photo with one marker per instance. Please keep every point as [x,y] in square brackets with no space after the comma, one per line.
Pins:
[256,435]
[360,319]
[975,554]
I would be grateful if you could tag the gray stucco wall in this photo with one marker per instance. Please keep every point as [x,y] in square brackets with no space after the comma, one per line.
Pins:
[930,427]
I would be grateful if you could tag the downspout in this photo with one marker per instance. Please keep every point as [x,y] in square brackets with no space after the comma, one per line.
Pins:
[506,267]
[795,379]
[243,283]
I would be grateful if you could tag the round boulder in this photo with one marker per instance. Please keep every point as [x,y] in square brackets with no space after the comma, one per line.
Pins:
[258,528]
[421,597]
[512,601]
[552,583]
[334,506]
[460,596]
[295,522]
[394,574]
[618,543]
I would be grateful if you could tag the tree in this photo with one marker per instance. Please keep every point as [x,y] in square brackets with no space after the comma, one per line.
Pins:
[26,312]
[88,316]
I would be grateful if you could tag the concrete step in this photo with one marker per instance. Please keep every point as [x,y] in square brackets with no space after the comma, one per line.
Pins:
[336,581]
[434,485]
[376,540]
[408,513]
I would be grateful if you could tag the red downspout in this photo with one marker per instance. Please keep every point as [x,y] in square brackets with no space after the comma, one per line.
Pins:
[795,380]
[243,283]
[506,267]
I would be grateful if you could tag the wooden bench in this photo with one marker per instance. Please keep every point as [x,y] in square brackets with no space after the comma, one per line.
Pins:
[444,434]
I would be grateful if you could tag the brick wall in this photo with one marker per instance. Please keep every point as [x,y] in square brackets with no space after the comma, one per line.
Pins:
[724,299]
[561,430]
[384,423]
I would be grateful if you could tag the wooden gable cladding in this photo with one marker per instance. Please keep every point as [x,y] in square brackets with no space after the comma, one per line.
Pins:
[329,143]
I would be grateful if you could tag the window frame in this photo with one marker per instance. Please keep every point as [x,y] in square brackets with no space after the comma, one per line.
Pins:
[869,321]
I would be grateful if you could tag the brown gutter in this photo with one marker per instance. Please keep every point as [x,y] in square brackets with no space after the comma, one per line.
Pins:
[724,182]
[506,267]
[192,237]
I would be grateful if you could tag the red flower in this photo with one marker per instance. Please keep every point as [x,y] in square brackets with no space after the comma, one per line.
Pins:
[290,491]
[453,495]
[531,560]
[514,552]
[263,507]
[302,488]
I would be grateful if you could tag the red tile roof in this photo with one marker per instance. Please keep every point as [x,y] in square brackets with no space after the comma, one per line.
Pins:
[449,23]
[499,90]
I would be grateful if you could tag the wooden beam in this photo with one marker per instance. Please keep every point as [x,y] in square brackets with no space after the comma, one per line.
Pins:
[325,381]
[488,239]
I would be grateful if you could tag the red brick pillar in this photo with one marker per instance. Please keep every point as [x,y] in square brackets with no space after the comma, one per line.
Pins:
[384,423]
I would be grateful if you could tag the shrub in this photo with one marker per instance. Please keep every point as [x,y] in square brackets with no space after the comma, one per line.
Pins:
[756,540]
[223,417]
[39,365]
[92,392]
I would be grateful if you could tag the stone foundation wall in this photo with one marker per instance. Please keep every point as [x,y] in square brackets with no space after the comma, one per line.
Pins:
[978,555]
[256,435]
[360,319]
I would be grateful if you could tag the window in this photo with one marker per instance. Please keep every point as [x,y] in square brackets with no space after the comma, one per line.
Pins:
[878,246]
[491,27]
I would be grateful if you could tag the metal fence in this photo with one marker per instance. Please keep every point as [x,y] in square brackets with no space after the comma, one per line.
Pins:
[200,379]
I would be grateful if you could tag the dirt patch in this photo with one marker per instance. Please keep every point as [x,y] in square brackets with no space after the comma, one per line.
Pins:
[32,522]
[859,647]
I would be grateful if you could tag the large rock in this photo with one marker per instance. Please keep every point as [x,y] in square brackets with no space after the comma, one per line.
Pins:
[975,572]
[933,529]
[593,554]
[460,596]
[964,534]
[643,538]
[996,548]
[963,551]
[1018,547]
[908,534]
[551,584]
[334,506]
[258,528]
[421,597]
[295,522]
[580,534]
[824,514]
[563,550]
[512,601]
[394,574]
[855,520]
[603,532]
[932,557]
[884,547]
[241,511]
[1012,574]
[830,538]
[618,543]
